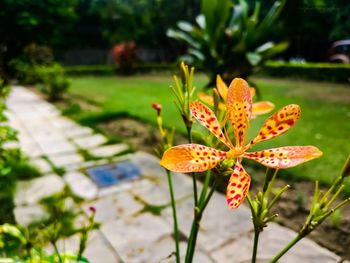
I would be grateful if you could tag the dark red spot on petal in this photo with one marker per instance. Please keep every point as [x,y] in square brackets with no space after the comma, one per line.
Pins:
[237,196]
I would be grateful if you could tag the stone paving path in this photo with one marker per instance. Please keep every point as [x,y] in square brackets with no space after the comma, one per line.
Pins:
[127,234]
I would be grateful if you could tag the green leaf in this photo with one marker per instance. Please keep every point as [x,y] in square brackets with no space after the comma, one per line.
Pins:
[273,50]
[184,26]
[197,54]
[264,47]
[182,36]
[12,231]
[253,58]
[216,13]
[271,17]
[201,21]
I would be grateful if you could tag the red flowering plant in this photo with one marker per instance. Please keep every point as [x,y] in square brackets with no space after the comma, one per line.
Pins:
[124,55]
[224,156]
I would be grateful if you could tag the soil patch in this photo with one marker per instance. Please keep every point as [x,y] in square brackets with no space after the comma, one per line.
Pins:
[333,234]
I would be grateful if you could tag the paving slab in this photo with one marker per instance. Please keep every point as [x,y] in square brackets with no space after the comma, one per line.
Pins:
[135,238]
[219,223]
[47,134]
[32,150]
[115,189]
[47,110]
[148,164]
[56,147]
[31,191]
[81,185]
[63,123]
[91,141]
[98,249]
[42,165]
[113,207]
[155,190]
[109,150]
[76,132]
[26,215]
[65,160]
[272,240]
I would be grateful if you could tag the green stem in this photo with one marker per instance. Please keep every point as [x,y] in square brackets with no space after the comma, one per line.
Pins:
[196,222]
[173,206]
[256,229]
[57,251]
[269,180]
[194,179]
[212,190]
[286,248]
[346,169]
[255,246]
[192,241]
[205,187]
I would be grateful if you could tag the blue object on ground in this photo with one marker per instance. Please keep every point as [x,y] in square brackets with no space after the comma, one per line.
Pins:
[108,175]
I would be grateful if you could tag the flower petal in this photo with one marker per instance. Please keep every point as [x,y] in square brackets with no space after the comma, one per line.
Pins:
[206,98]
[239,109]
[237,187]
[191,158]
[284,157]
[262,107]
[252,91]
[278,123]
[207,118]
[221,87]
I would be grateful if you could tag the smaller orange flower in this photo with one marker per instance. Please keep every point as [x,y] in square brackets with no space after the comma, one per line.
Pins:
[199,158]
[259,108]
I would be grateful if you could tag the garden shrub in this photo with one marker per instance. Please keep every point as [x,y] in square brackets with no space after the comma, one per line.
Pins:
[97,70]
[53,81]
[109,70]
[23,68]
[310,71]
[38,54]
[124,55]
[23,71]
[230,39]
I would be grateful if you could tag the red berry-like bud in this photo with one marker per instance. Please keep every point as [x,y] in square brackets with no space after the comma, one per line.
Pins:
[92,209]
[157,107]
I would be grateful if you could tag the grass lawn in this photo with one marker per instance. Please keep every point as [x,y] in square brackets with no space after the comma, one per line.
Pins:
[325,119]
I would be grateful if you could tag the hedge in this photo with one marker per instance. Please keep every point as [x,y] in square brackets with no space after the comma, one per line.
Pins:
[106,70]
[332,72]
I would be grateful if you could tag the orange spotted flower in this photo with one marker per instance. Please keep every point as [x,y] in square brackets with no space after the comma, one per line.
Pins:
[198,158]
[258,108]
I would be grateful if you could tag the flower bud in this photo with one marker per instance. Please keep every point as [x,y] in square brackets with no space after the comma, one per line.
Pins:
[157,107]
[92,209]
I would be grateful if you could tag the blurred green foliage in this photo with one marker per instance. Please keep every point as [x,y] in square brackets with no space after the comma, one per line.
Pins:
[331,72]
[230,39]
[52,80]
[85,24]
